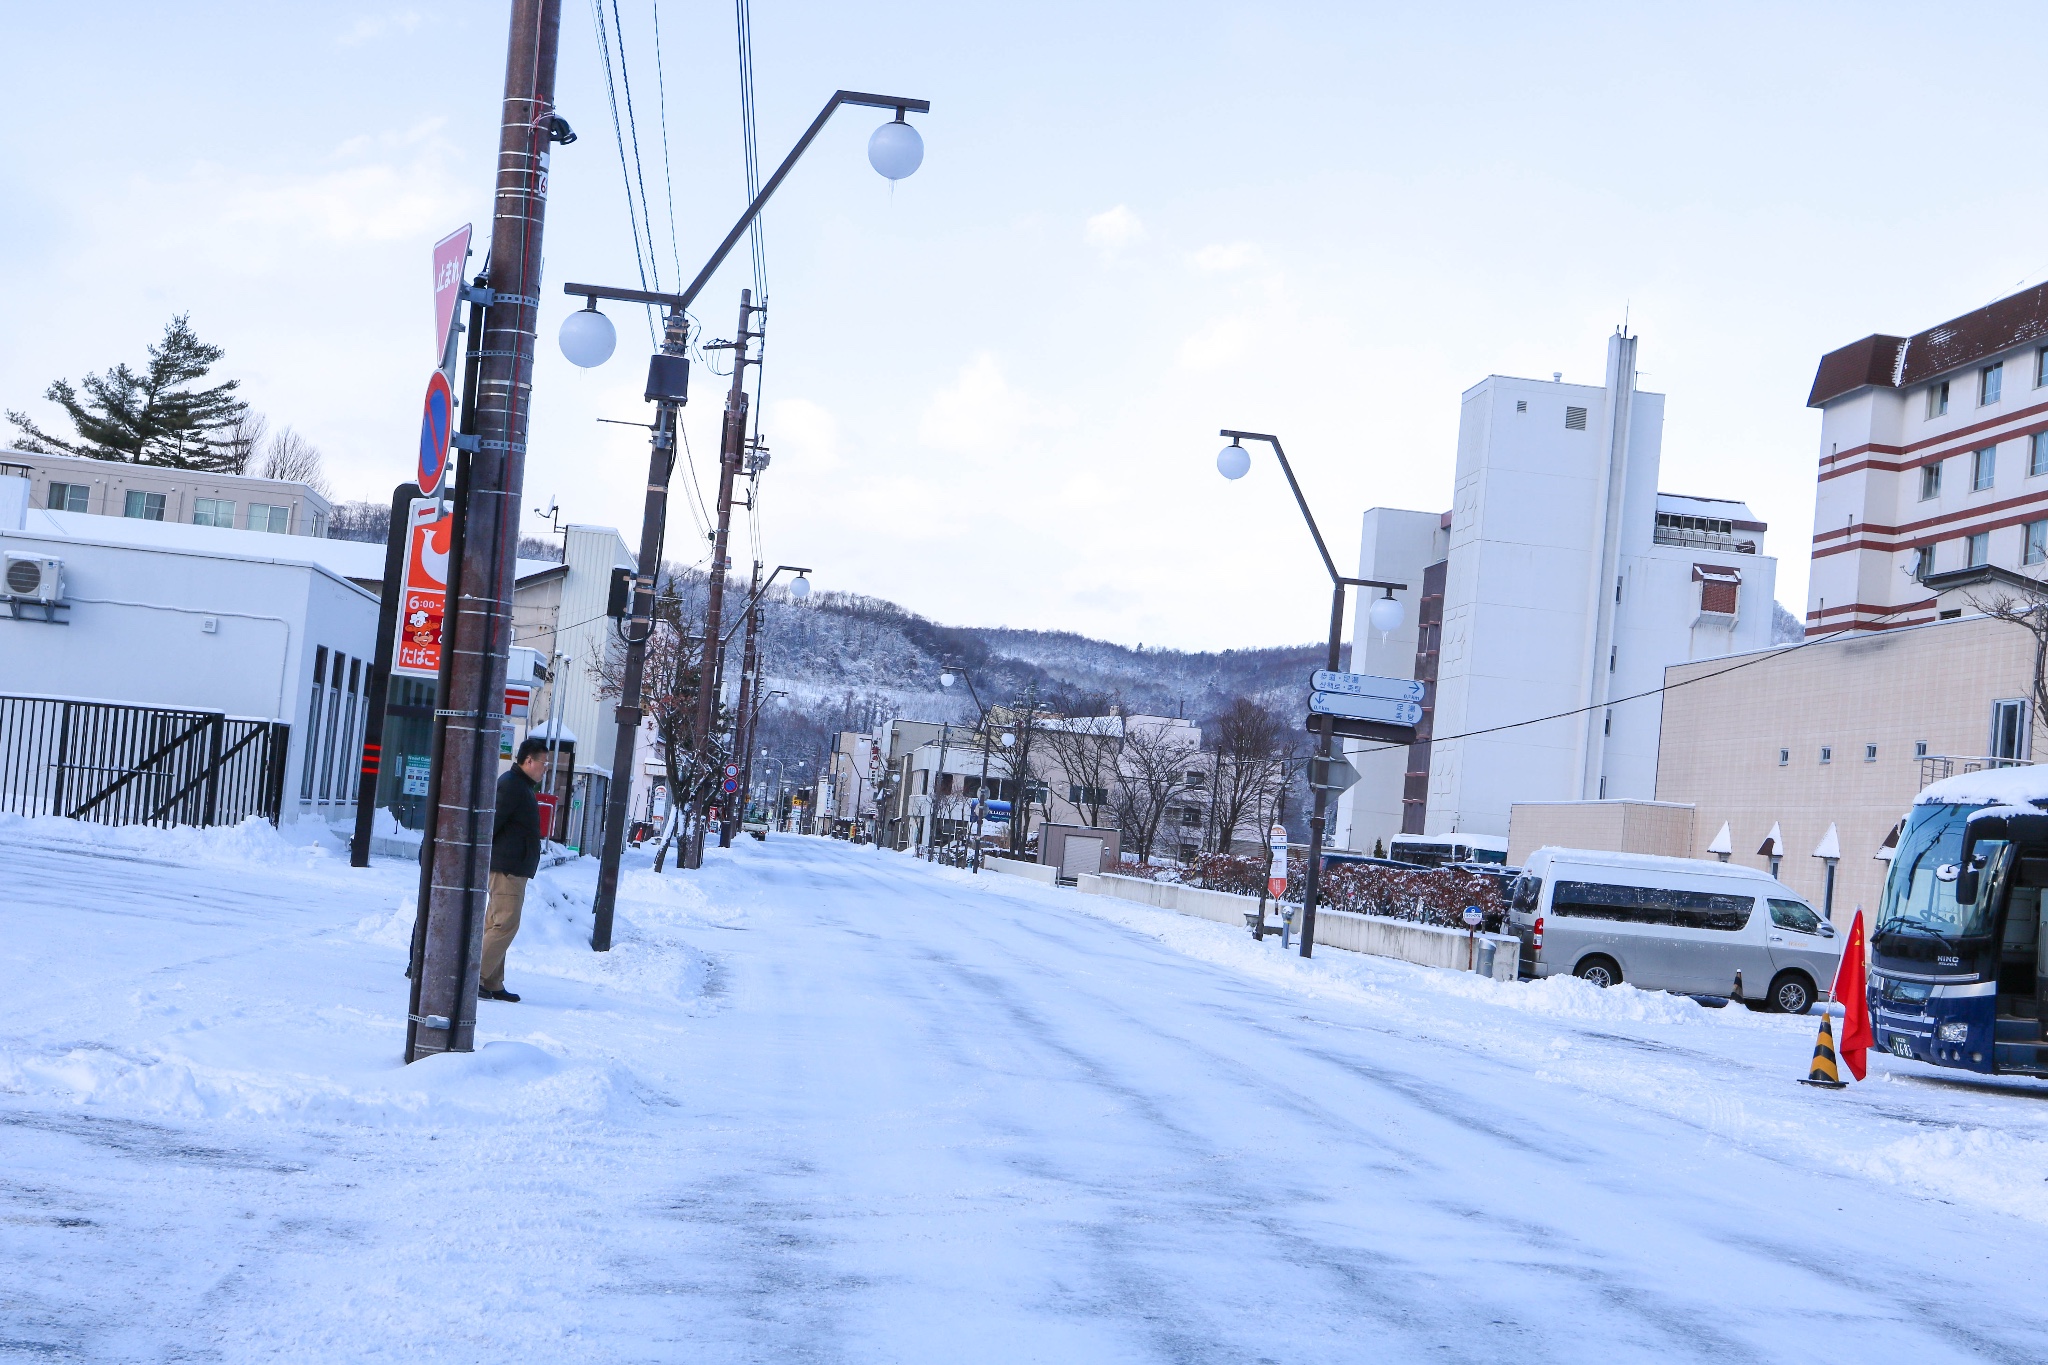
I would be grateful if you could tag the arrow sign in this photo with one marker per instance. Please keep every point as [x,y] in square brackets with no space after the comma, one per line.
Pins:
[1355,707]
[1332,774]
[1365,685]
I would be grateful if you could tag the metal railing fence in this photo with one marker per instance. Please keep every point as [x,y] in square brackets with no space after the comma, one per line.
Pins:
[138,765]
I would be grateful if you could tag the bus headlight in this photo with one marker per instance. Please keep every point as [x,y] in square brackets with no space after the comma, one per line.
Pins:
[1955,1033]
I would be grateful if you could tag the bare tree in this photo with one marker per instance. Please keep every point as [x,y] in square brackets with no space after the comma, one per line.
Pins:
[1026,759]
[2027,608]
[1085,750]
[240,442]
[1247,742]
[1151,773]
[364,521]
[292,457]
[672,672]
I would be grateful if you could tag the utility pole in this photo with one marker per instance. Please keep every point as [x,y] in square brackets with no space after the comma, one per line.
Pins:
[741,739]
[730,446]
[478,627]
[638,625]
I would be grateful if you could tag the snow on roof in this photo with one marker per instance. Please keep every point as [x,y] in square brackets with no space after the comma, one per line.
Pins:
[352,559]
[1654,862]
[546,730]
[1722,509]
[1992,787]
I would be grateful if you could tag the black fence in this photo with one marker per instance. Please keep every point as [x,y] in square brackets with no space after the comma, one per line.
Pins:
[138,765]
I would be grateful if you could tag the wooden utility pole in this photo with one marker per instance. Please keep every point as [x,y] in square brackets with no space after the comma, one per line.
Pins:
[742,721]
[730,448]
[638,626]
[478,626]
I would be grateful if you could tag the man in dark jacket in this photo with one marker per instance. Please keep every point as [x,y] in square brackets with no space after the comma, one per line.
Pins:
[515,857]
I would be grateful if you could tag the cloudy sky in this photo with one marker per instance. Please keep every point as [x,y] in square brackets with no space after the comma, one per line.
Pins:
[993,390]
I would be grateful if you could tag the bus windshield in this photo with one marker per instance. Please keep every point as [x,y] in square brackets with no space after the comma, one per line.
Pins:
[1918,901]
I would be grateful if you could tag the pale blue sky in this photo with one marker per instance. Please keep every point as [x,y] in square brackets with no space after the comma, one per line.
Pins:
[1321,220]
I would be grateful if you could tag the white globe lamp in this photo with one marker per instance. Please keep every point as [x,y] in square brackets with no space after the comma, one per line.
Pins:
[799,588]
[1386,615]
[1009,740]
[588,337]
[1233,461]
[946,678]
[895,150]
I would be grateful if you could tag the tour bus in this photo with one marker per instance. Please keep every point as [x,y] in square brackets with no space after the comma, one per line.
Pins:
[1958,959]
[1436,850]
[1675,924]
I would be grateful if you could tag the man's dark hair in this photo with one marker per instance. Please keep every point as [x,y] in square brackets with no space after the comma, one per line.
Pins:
[529,747]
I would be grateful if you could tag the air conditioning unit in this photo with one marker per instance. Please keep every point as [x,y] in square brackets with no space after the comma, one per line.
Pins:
[34,578]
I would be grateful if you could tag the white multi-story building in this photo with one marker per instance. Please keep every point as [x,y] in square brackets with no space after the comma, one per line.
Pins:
[1933,463]
[1566,583]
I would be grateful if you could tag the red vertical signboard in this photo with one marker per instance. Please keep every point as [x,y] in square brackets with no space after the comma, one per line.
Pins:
[423,593]
[449,254]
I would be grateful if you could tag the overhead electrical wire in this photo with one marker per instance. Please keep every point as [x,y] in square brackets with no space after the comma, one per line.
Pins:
[604,47]
[668,178]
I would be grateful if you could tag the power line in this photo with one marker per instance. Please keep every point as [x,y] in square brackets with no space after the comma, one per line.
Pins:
[743,15]
[1616,701]
[668,178]
[604,47]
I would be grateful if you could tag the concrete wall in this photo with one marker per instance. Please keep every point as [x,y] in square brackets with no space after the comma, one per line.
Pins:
[1423,944]
[1929,685]
[1042,873]
[1660,827]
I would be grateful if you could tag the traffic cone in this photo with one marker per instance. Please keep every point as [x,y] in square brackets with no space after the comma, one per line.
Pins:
[1823,1072]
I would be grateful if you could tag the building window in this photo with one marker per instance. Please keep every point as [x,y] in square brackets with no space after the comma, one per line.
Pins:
[1087,796]
[2041,367]
[1521,405]
[1870,753]
[1191,817]
[144,506]
[1979,547]
[1983,469]
[1923,561]
[1827,753]
[264,517]
[1937,399]
[1930,481]
[2037,454]
[69,497]
[1574,419]
[1990,380]
[1194,779]
[213,512]
[2037,542]
[1784,758]
[2009,729]
[1920,748]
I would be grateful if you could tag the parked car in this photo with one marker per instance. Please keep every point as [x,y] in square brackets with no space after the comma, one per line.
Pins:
[1676,924]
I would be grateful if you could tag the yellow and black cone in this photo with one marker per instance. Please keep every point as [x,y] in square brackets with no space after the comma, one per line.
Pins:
[1824,1072]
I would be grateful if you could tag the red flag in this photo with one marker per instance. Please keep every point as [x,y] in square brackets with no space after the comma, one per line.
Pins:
[1854,997]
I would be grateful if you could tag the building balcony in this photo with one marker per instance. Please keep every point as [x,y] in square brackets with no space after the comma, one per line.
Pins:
[1727,543]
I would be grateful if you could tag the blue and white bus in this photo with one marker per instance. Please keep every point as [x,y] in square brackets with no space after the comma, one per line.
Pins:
[1958,959]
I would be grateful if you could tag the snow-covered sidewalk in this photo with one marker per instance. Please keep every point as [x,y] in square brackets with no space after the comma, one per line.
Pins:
[824,1103]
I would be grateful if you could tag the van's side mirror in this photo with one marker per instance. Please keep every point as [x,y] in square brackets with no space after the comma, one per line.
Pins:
[1827,930]
[1966,886]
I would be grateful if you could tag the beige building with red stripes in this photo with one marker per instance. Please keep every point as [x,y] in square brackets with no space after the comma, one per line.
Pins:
[1933,462]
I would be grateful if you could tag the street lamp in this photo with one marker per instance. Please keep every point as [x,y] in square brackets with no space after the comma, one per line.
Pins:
[1233,462]
[894,151]
[946,679]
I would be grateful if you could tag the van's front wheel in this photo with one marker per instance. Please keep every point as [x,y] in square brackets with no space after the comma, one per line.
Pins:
[1791,993]
[1601,971]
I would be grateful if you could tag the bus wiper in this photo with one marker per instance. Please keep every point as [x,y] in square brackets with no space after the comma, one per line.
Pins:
[1893,926]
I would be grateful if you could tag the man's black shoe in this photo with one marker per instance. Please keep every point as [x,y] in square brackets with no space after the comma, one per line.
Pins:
[497,995]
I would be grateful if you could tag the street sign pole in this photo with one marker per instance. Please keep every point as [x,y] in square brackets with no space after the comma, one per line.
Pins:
[442,1012]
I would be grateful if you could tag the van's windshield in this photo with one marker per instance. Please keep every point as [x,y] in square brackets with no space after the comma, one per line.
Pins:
[1916,900]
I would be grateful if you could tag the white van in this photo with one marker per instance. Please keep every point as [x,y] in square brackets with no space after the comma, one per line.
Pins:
[1675,924]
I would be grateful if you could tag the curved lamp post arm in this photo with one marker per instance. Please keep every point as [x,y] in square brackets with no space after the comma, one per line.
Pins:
[1306,515]
[741,616]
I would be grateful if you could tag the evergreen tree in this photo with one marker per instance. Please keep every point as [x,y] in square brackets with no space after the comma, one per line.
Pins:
[158,416]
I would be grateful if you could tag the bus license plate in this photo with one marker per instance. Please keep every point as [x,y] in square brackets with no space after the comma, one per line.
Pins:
[1902,1046]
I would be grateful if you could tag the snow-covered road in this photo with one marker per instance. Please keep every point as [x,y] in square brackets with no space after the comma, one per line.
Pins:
[824,1103]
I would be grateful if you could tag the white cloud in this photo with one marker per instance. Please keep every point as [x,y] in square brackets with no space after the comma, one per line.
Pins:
[1219,257]
[1216,345]
[804,435]
[1114,229]
[371,27]
[977,414]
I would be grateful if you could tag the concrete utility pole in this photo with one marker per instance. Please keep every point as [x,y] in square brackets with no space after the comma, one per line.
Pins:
[733,442]
[638,625]
[478,628]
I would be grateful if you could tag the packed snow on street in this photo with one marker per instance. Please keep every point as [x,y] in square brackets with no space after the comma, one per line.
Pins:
[827,1103]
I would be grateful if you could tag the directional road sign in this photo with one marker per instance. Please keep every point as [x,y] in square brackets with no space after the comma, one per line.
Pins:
[1355,707]
[1365,685]
[1332,774]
